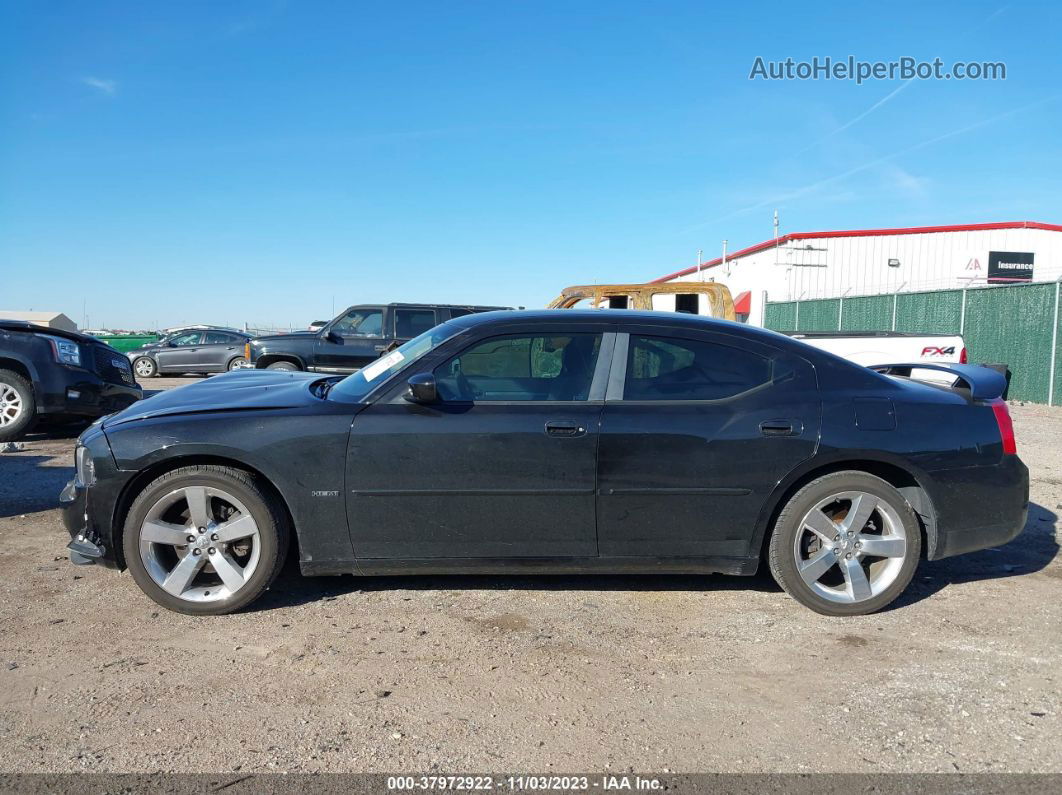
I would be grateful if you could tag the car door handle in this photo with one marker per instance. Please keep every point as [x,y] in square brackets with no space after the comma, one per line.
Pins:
[781,427]
[564,428]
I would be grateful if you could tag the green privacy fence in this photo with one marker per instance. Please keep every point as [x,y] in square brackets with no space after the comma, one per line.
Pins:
[1018,325]
[127,342]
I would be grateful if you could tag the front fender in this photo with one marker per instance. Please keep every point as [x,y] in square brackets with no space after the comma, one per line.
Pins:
[300,453]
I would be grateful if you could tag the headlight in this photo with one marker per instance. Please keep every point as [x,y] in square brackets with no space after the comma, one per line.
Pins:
[84,468]
[65,351]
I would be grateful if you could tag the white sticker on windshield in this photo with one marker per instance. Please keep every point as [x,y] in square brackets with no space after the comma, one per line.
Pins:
[381,366]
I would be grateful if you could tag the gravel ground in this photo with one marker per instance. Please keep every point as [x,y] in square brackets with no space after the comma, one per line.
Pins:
[554,674]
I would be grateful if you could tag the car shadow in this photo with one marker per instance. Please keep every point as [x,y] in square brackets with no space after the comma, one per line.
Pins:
[1030,552]
[28,486]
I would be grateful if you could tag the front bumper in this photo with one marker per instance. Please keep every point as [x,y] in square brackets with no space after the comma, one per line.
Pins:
[75,392]
[86,546]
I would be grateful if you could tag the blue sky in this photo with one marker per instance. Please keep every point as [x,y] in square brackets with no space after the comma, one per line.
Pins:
[224,162]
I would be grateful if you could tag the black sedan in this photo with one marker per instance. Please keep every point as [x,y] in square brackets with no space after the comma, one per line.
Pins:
[555,441]
[192,351]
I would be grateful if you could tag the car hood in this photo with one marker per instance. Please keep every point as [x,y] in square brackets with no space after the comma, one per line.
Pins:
[239,390]
[294,335]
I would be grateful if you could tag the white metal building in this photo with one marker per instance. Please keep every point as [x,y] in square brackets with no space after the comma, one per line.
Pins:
[808,265]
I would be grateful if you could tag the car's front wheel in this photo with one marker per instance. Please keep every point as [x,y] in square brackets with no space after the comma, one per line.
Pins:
[845,544]
[17,410]
[145,367]
[205,540]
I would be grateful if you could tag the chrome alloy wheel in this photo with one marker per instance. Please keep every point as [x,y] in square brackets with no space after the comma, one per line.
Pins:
[144,367]
[11,407]
[200,544]
[850,547]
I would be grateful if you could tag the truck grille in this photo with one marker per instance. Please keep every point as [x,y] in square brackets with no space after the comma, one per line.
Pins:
[112,366]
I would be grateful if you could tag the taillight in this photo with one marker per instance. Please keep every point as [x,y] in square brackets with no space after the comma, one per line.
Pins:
[962,356]
[1006,427]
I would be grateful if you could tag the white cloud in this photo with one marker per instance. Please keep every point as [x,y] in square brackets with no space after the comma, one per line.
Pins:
[108,87]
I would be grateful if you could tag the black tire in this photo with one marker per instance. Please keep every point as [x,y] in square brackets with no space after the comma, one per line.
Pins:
[267,512]
[19,405]
[282,366]
[147,364]
[781,555]
[236,363]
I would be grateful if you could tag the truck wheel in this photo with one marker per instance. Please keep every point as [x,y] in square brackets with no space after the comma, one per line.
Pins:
[17,410]
[282,366]
[145,367]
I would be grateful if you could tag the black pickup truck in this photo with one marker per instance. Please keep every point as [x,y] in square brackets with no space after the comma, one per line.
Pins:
[48,373]
[354,338]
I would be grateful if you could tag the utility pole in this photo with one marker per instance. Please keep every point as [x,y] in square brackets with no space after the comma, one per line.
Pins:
[726,269]
[700,259]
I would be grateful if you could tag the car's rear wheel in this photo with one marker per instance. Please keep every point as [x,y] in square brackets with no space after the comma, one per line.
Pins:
[237,364]
[145,367]
[205,540]
[17,409]
[846,544]
[282,366]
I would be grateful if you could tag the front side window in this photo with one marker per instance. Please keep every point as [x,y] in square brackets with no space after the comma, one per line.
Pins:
[669,368]
[183,340]
[523,367]
[411,323]
[360,323]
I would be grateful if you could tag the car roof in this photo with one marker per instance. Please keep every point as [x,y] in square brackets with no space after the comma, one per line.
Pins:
[675,320]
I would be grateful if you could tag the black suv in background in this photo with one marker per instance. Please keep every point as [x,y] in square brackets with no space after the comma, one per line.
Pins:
[52,374]
[354,338]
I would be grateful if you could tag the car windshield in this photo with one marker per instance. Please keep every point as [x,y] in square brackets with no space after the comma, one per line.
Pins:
[355,387]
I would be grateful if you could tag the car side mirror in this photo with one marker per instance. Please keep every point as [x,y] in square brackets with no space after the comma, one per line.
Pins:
[171,344]
[332,336]
[422,389]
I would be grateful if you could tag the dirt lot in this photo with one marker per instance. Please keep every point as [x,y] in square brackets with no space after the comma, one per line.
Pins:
[529,674]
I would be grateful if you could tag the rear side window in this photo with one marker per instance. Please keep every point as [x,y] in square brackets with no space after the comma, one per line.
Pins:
[670,368]
[220,338]
[521,367]
[410,323]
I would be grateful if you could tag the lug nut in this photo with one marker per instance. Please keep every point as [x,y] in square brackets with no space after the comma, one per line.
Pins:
[213,536]
[191,539]
[837,552]
[212,550]
[849,556]
[836,538]
[203,530]
[197,552]
[859,544]
[850,533]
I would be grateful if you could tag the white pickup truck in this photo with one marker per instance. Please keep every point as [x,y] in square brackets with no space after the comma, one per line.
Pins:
[870,348]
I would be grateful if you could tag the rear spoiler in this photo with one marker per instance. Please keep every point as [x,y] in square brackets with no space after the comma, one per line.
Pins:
[981,382]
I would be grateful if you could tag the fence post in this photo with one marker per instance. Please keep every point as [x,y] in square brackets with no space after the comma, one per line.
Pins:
[840,311]
[796,319]
[1054,349]
[894,297]
[962,314]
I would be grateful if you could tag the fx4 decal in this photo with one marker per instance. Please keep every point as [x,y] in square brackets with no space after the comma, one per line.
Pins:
[933,350]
